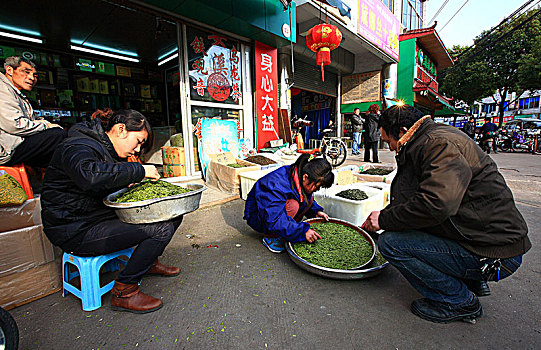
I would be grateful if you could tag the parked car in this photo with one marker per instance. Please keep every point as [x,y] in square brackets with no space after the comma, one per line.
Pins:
[528,125]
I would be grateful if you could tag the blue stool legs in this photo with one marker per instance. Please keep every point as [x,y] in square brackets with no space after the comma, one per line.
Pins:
[88,268]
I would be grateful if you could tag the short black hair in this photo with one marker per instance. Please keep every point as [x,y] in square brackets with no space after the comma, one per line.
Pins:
[396,117]
[317,169]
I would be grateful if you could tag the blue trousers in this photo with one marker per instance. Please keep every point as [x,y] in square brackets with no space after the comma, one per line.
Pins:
[436,266]
[356,142]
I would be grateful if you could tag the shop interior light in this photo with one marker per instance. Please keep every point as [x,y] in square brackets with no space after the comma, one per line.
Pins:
[167,54]
[21,37]
[168,59]
[102,53]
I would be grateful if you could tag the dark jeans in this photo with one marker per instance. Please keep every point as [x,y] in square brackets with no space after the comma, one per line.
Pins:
[37,150]
[114,235]
[371,146]
[436,266]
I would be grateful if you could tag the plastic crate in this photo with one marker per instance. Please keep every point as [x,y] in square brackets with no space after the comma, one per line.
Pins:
[249,178]
[349,210]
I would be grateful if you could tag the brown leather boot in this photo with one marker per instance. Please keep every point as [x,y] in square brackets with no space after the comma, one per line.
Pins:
[128,297]
[158,268]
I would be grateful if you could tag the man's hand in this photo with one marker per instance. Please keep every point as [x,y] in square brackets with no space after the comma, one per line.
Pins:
[321,214]
[151,172]
[50,125]
[372,222]
[312,236]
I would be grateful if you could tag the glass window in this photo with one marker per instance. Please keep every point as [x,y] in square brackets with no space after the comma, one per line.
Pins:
[405,7]
[214,65]
[534,102]
[389,4]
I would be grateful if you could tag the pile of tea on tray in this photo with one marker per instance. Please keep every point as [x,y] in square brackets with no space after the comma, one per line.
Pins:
[150,190]
[340,247]
[353,194]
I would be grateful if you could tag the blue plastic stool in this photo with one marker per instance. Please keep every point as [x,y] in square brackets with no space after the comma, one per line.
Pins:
[89,270]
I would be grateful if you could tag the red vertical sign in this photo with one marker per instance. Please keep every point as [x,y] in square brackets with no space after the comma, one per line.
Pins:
[266,81]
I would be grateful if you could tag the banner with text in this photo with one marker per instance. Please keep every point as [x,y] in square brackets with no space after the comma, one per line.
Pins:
[266,81]
[379,26]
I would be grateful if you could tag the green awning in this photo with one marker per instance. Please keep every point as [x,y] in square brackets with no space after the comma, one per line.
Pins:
[261,20]
[363,106]
[447,112]
[441,100]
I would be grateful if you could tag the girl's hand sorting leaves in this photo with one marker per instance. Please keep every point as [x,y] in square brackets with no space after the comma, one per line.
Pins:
[151,172]
[312,236]
[321,214]
[372,222]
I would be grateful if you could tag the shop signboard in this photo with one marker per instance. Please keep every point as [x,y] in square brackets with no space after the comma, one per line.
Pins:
[379,26]
[266,81]
[214,64]
[362,87]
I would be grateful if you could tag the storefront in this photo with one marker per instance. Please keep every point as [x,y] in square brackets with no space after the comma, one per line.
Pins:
[176,63]
[422,56]
[359,67]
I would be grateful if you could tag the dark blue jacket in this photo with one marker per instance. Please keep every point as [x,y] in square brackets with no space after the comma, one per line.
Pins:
[84,169]
[488,127]
[265,209]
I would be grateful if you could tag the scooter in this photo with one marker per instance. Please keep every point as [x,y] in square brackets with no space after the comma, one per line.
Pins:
[522,142]
[487,141]
[9,332]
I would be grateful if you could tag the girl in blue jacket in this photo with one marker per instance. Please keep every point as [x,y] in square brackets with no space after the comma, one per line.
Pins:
[278,201]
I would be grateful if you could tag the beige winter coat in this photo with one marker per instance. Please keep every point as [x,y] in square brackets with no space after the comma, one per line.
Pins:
[16,119]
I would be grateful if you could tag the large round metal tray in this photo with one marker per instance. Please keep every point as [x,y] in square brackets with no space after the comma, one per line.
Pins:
[158,209]
[372,268]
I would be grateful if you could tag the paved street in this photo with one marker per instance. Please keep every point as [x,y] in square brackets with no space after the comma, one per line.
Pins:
[234,294]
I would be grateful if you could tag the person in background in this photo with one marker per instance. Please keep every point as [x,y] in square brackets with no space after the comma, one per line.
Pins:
[87,167]
[469,127]
[278,202]
[371,133]
[452,223]
[23,137]
[357,126]
[489,130]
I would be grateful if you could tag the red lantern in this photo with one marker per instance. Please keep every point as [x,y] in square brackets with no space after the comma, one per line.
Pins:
[322,39]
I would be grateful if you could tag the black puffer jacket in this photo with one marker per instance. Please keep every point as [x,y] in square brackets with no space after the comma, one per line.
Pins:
[357,122]
[371,128]
[84,169]
[447,186]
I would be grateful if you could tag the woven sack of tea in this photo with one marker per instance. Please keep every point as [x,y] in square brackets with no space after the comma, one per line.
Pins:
[11,192]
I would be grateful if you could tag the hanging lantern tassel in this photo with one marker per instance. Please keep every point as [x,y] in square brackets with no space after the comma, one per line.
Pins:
[323,58]
[322,39]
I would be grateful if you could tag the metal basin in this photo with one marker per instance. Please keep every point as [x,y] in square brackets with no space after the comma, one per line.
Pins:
[158,209]
[372,268]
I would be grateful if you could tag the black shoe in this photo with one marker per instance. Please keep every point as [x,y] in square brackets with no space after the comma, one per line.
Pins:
[439,312]
[479,288]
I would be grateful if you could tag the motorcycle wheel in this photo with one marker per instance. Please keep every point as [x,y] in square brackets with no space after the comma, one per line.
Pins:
[335,152]
[505,146]
[9,333]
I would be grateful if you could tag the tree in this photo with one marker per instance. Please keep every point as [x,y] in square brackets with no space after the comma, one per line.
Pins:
[500,61]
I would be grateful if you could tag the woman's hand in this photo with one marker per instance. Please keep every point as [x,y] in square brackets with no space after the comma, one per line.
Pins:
[312,236]
[372,222]
[321,214]
[151,172]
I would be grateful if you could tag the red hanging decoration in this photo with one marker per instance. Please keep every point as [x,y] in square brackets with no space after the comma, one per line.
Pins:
[322,39]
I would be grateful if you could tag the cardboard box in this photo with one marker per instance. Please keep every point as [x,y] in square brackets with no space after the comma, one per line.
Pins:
[25,286]
[24,249]
[226,178]
[20,216]
[376,178]
[174,170]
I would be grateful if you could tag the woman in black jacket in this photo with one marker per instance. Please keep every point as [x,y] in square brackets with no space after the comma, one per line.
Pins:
[371,133]
[88,166]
